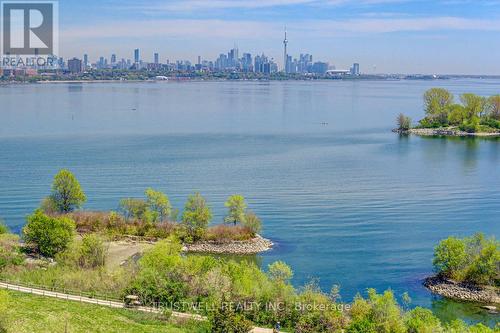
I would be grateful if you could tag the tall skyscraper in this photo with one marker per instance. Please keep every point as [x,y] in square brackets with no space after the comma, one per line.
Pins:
[75,65]
[113,59]
[157,58]
[85,61]
[285,55]
[137,56]
[355,69]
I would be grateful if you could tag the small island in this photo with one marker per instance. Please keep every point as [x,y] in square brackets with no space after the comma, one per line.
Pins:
[474,116]
[468,270]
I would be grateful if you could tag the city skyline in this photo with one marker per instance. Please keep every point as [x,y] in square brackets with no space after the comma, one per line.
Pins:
[387,36]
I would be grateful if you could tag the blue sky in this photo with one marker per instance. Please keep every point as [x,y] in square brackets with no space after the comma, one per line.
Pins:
[396,36]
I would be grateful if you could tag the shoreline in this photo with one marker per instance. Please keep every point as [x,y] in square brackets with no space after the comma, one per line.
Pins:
[444,132]
[256,245]
[463,291]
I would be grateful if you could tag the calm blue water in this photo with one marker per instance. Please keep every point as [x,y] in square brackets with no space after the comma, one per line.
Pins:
[348,202]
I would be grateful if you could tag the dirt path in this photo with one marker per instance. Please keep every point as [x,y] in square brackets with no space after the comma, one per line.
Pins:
[120,251]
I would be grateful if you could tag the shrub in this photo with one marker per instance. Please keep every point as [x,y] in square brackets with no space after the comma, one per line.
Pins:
[421,320]
[10,250]
[3,228]
[279,271]
[224,319]
[48,235]
[93,252]
[226,233]
[403,122]
[253,222]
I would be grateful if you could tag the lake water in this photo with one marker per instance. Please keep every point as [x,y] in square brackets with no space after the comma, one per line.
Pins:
[346,200]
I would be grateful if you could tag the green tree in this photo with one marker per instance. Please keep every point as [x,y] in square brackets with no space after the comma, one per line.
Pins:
[197,215]
[133,208]
[279,271]
[159,205]
[474,105]
[253,222]
[457,115]
[494,107]
[437,102]
[421,320]
[66,192]
[236,206]
[403,122]
[450,257]
[48,235]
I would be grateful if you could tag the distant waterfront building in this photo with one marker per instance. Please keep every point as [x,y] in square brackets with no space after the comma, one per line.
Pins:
[85,61]
[137,56]
[75,65]
[157,58]
[355,69]
[113,59]
[320,67]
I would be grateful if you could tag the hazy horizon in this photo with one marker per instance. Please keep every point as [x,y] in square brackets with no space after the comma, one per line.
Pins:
[384,36]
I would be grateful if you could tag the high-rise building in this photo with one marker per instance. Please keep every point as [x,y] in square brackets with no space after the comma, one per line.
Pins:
[157,58]
[355,69]
[113,59]
[137,56]
[75,65]
[320,67]
[85,61]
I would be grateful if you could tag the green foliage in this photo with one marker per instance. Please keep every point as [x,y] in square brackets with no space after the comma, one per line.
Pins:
[474,259]
[159,205]
[494,107]
[49,206]
[379,311]
[474,105]
[437,102]
[475,114]
[10,251]
[253,222]
[421,320]
[224,319]
[134,208]
[236,206]
[279,271]
[3,228]
[92,252]
[457,115]
[450,258]
[403,122]
[67,195]
[196,217]
[48,235]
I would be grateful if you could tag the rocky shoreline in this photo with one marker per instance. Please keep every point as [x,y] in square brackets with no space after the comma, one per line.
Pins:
[449,131]
[463,291]
[253,246]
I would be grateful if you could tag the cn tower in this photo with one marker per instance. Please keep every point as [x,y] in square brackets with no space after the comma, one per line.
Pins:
[285,56]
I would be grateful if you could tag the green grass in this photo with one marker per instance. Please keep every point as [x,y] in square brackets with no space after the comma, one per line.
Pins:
[35,314]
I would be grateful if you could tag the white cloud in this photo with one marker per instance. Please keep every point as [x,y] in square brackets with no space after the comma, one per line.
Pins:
[232,30]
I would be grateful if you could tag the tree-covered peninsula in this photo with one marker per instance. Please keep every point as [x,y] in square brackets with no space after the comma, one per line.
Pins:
[473,115]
